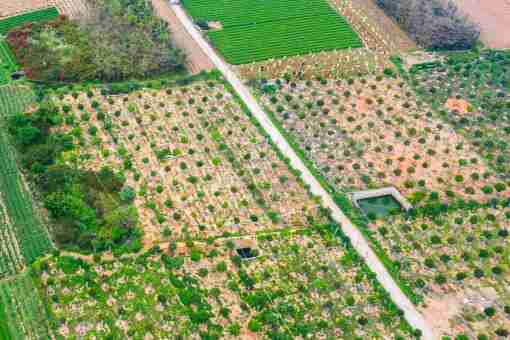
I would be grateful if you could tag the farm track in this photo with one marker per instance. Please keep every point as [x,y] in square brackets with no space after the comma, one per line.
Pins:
[196,61]
[358,241]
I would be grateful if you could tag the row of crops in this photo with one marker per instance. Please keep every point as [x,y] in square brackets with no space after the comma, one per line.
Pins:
[42,15]
[243,12]
[22,312]
[7,62]
[296,36]
[10,258]
[29,234]
[256,31]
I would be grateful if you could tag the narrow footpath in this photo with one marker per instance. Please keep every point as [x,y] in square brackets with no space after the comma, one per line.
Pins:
[358,241]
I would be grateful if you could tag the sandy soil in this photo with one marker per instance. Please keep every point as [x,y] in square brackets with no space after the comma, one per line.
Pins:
[439,311]
[493,16]
[196,60]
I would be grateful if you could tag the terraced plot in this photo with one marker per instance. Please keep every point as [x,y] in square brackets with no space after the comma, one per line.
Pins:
[255,31]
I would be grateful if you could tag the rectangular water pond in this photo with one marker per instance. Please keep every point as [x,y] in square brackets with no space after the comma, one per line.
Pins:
[379,206]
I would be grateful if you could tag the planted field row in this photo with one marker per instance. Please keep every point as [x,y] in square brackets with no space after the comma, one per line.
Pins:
[292,37]
[42,15]
[256,31]
[10,257]
[22,312]
[243,12]
[31,235]
[7,62]
[14,99]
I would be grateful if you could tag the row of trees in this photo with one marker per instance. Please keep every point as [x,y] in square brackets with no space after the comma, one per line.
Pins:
[433,24]
[114,40]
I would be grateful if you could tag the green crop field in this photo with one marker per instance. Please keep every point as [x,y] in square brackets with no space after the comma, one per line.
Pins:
[22,312]
[42,15]
[260,30]
[30,233]
[7,62]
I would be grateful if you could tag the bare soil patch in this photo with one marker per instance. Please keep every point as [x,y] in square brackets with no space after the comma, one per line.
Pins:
[440,310]
[493,16]
[215,25]
[458,105]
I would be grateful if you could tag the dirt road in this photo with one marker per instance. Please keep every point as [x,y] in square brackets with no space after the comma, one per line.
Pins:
[196,59]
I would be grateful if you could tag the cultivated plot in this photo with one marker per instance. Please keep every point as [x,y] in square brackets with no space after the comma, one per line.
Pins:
[255,31]
[298,285]
[197,164]
[374,132]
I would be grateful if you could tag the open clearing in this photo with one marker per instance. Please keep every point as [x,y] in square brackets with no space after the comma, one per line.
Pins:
[255,31]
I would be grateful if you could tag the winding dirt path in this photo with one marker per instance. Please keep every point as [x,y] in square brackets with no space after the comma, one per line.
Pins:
[197,61]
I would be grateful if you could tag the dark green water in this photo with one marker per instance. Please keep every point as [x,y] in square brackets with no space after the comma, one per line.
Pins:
[379,206]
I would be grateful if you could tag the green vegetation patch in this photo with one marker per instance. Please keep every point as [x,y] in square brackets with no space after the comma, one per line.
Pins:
[301,285]
[46,14]
[22,313]
[7,63]
[79,50]
[255,31]
[30,234]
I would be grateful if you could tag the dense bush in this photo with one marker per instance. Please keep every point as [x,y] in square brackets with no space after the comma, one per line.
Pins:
[85,206]
[433,24]
[101,45]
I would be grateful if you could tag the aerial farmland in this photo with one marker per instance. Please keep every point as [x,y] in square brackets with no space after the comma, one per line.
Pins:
[326,169]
